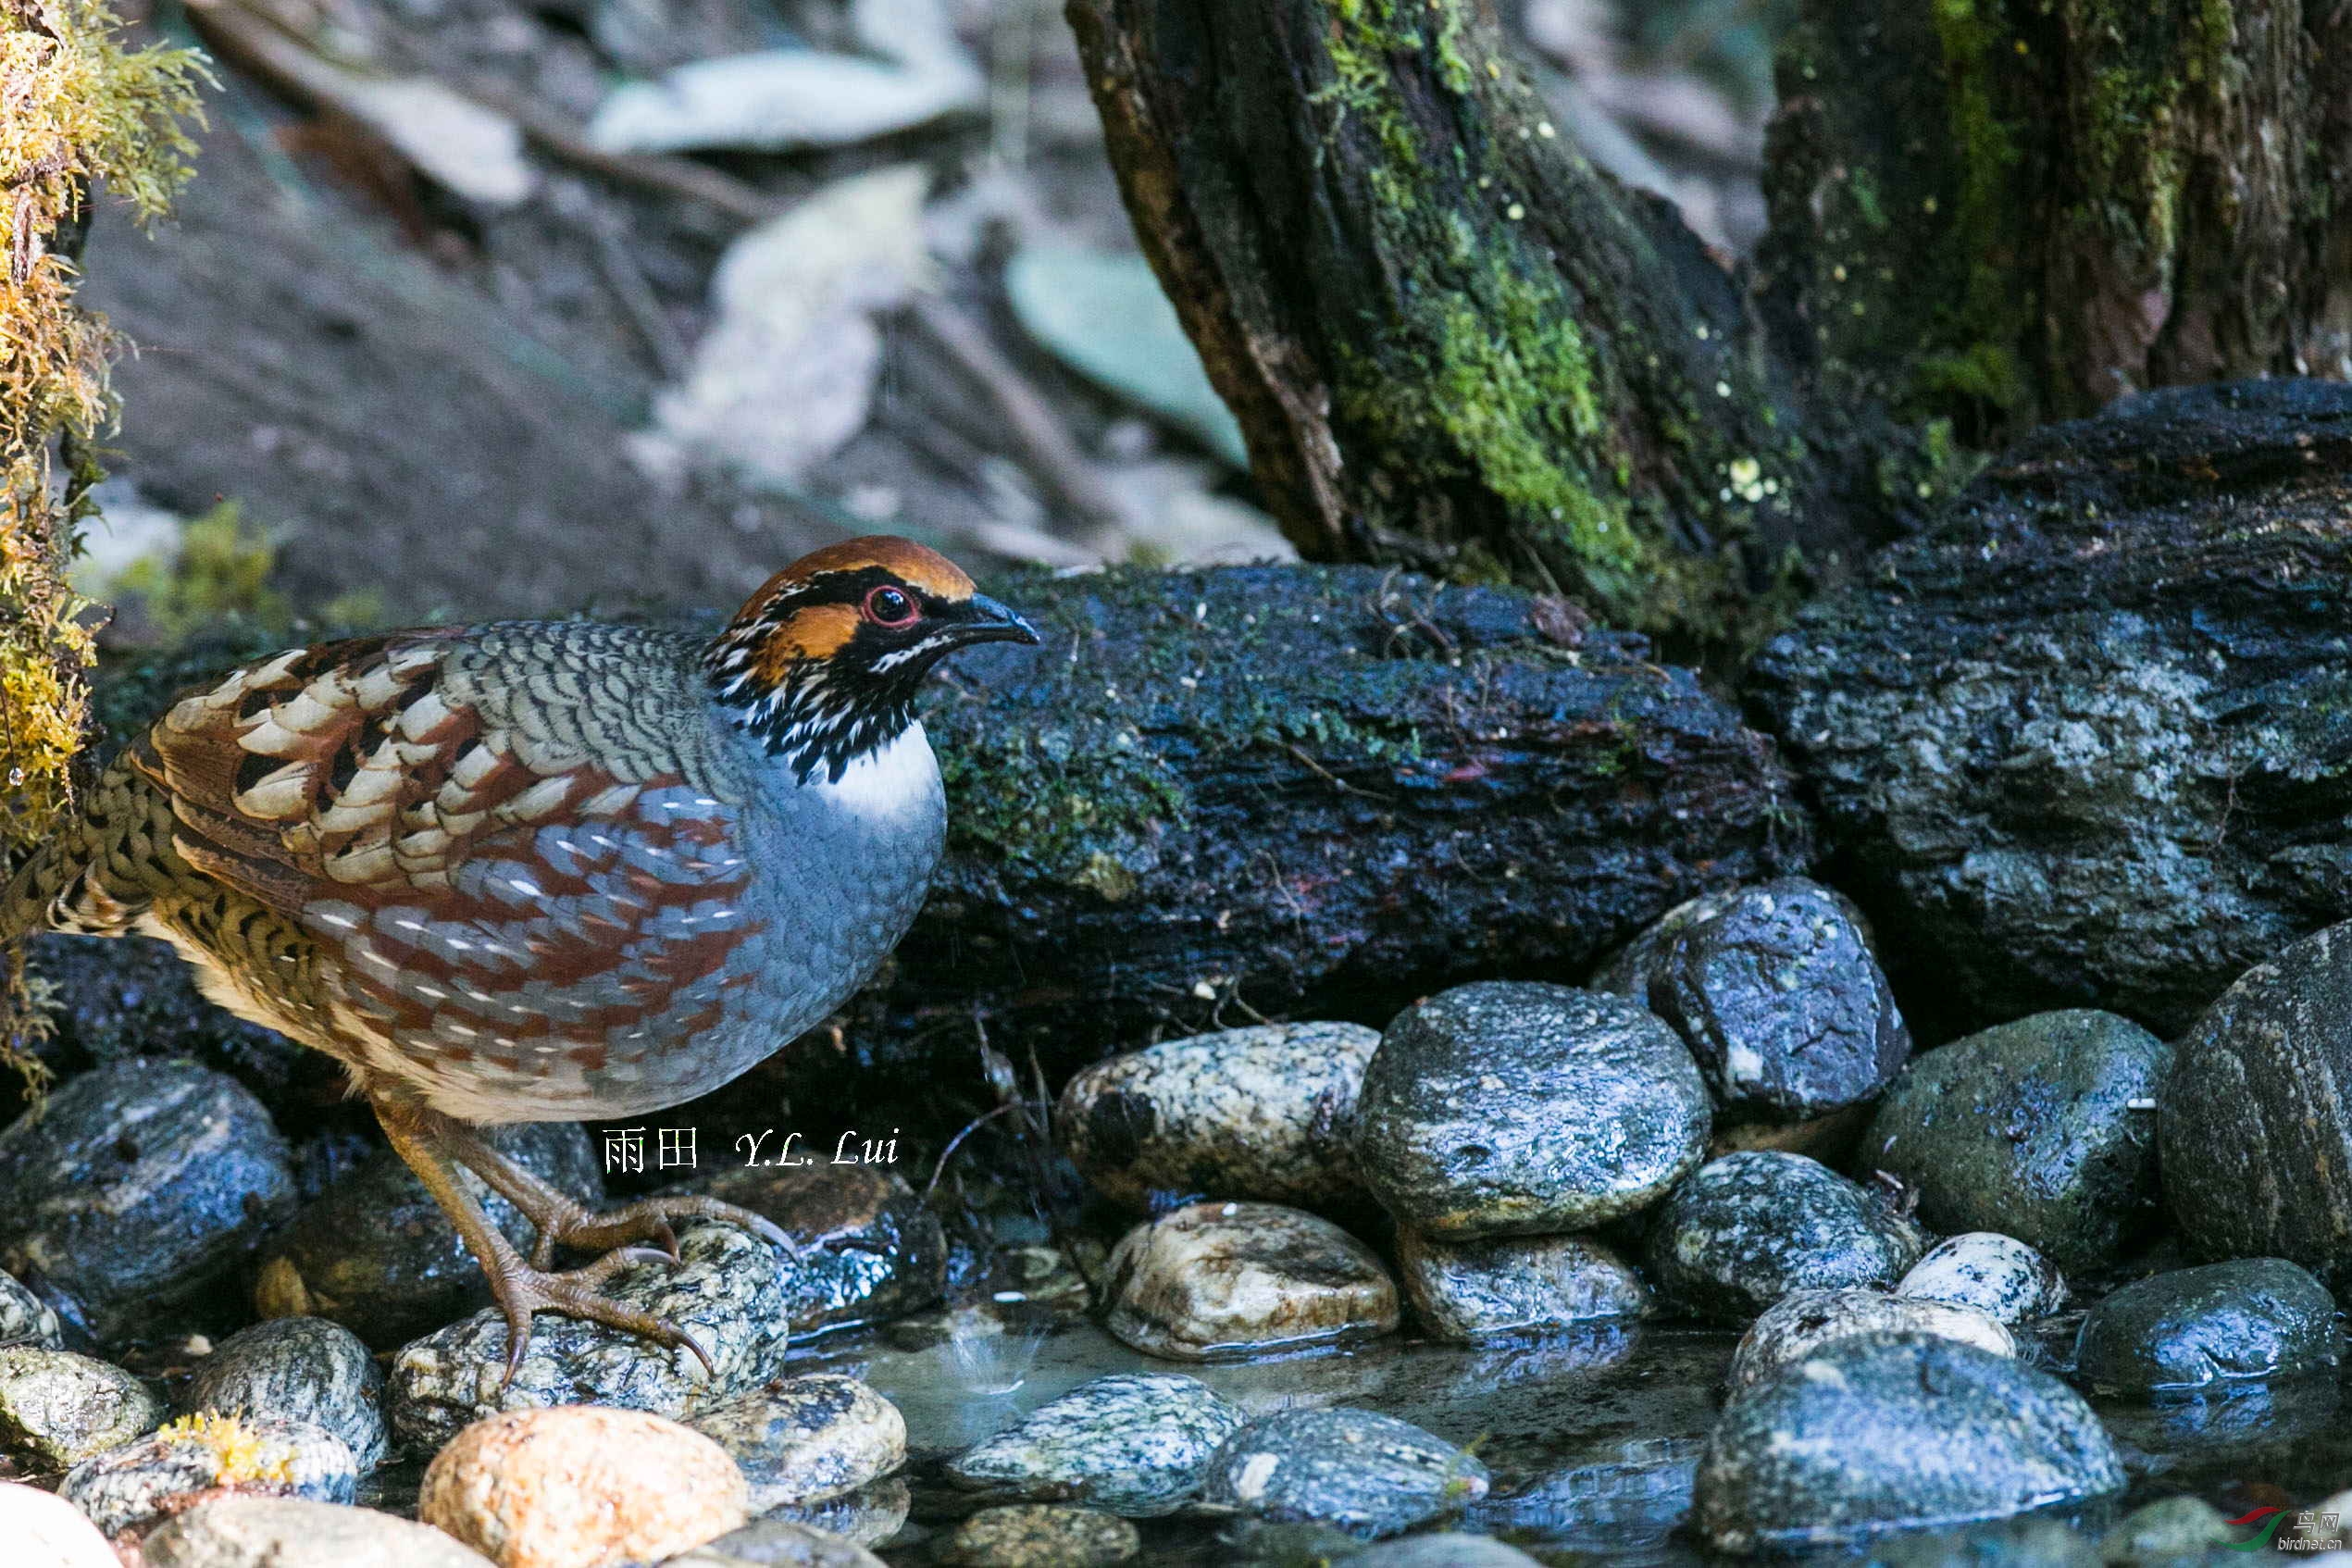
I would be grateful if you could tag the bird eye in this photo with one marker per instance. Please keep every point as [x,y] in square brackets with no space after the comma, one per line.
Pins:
[891,606]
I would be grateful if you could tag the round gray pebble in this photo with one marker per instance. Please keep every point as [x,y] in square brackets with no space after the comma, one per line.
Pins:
[58,1409]
[1368,1474]
[1466,1291]
[2252,1317]
[302,1369]
[124,1486]
[1135,1444]
[25,1318]
[803,1439]
[1042,1536]
[1745,1230]
[1443,1549]
[1803,1320]
[1500,1109]
[1882,1432]
[264,1532]
[1218,1281]
[1260,1112]
[1996,1275]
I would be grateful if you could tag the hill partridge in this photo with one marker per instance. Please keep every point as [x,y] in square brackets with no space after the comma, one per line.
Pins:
[542,870]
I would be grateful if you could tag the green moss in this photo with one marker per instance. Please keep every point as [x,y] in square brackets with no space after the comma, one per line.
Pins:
[1993,316]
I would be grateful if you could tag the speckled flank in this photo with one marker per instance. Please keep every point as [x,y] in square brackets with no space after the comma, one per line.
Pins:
[1260,1112]
[1137,1444]
[1365,1473]
[1227,1280]
[729,1295]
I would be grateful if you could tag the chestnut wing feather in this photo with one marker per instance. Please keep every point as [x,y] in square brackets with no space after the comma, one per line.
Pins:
[506,854]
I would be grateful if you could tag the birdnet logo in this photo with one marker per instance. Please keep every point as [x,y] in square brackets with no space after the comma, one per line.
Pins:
[2314,1532]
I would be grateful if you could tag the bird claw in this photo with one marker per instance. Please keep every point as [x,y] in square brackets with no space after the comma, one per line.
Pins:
[523,1290]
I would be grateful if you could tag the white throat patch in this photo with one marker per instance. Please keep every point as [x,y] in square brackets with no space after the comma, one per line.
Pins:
[890,781]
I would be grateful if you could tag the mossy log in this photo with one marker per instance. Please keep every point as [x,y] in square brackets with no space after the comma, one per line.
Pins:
[1216,794]
[2004,211]
[2089,743]
[1450,340]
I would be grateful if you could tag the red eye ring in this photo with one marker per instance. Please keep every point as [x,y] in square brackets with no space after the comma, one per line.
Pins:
[891,606]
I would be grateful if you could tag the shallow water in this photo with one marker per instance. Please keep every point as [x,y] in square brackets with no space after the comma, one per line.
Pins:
[1592,1440]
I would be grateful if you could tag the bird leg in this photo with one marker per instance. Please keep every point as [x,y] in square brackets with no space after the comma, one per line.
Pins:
[424,1140]
[561,1219]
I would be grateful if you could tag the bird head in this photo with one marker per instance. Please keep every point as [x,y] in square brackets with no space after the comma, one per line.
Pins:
[824,662]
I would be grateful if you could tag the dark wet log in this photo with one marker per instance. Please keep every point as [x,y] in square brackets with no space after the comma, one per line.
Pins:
[2090,743]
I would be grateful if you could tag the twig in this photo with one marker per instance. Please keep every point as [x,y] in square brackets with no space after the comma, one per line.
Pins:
[638,301]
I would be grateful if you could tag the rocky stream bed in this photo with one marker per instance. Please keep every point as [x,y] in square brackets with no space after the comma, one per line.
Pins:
[1947,1197]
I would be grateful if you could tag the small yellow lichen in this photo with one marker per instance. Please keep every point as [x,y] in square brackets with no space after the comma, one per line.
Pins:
[240,1456]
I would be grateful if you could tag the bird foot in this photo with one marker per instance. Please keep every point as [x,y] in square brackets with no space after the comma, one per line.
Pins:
[568,1224]
[521,1289]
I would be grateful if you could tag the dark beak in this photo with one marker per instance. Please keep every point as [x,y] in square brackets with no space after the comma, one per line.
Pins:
[984,619]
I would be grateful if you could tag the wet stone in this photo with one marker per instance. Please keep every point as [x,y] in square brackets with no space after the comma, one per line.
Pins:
[2255,1163]
[375,1253]
[1042,1536]
[803,1439]
[728,1292]
[777,1543]
[1996,1275]
[1519,1110]
[2175,1530]
[1882,1432]
[2027,1541]
[263,1532]
[1745,1230]
[304,1368]
[56,1408]
[871,1251]
[25,1318]
[127,1485]
[2028,1129]
[1135,1444]
[1219,1281]
[559,1489]
[1777,994]
[2249,1318]
[1443,1550]
[1261,1113]
[48,1532]
[1471,1290]
[140,1186]
[1803,1320]
[1363,1473]
[871,1514]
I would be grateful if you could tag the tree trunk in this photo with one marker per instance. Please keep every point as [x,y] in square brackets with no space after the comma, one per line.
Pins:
[2006,211]
[1448,338]
[1452,343]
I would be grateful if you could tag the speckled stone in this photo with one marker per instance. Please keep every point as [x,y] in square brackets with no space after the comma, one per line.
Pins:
[871,1250]
[126,1485]
[50,1531]
[1444,1549]
[2171,1530]
[259,1532]
[728,1292]
[580,1487]
[2256,1160]
[873,1513]
[1471,1290]
[1880,1432]
[1218,1280]
[803,1439]
[1996,1275]
[2252,1317]
[1745,1230]
[140,1185]
[1042,1536]
[375,1253]
[56,1408]
[1777,994]
[2028,1129]
[304,1368]
[1366,1473]
[777,1543]
[1526,1109]
[1135,1444]
[1803,1320]
[1261,1113]
[25,1318]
